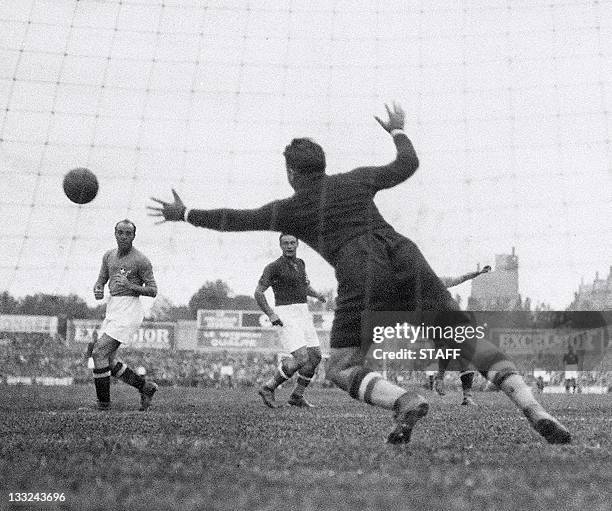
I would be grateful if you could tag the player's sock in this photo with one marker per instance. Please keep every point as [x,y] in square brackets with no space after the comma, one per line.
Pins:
[513,385]
[467,379]
[124,373]
[102,383]
[370,387]
[300,385]
[282,374]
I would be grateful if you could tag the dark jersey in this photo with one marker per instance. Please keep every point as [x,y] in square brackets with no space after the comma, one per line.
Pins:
[134,265]
[288,280]
[326,211]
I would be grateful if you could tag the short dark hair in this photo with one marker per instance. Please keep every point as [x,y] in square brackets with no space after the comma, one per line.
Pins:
[286,234]
[126,221]
[305,156]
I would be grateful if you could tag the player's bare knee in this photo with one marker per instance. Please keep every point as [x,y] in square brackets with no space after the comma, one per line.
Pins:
[300,357]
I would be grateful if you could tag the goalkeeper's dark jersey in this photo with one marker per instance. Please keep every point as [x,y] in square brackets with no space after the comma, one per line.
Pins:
[326,212]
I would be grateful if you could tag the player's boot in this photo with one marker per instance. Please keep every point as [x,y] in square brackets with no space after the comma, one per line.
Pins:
[409,408]
[268,397]
[550,428]
[103,405]
[146,395]
[439,386]
[468,401]
[299,401]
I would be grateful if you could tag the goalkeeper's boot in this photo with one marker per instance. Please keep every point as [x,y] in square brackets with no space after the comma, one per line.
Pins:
[146,395]
[550,428]
[408,409]
[267,395]
[299,401]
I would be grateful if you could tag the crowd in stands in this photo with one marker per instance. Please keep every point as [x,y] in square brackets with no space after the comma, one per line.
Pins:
[41,355]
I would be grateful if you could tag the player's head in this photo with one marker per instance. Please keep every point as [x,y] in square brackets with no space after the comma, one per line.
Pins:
[125,232]
[303,157]
[288,244]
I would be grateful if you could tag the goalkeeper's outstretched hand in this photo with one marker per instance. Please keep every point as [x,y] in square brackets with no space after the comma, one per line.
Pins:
[170,211]
[396,118]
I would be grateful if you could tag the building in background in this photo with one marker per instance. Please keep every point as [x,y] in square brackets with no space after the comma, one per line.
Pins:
[595,296]
[498,289]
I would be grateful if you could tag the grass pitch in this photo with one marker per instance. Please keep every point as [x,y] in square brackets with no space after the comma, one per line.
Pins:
[224,450]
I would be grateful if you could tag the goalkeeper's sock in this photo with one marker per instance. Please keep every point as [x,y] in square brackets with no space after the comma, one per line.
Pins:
[102,383]
[125,374]
[513,385]
[370,387]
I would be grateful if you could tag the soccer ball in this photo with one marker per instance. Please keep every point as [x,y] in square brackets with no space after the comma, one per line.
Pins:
[80,185]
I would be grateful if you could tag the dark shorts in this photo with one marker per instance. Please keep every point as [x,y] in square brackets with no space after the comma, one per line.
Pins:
[382,271]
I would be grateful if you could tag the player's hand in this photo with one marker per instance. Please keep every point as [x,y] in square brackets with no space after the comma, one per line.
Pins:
[170,211]
[321,298]
[98,292]
[275,320]
[396,118]
[486,269]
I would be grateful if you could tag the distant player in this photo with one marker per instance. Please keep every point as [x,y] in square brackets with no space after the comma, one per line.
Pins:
[540,384]
[466,374]
[129,275]
[570,361]
[377,269]
[291,287]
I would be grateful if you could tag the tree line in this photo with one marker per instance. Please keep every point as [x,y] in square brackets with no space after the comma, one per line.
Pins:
[212,295]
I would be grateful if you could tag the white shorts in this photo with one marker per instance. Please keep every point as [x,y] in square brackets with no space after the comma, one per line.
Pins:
[124,315]
[571,375]
[297,330]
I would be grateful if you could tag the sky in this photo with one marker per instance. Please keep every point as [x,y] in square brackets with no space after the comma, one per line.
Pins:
[507,104]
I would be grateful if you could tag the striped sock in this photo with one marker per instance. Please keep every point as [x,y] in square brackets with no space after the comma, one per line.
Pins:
[278,379]
[124,373]
[504,375]
[370,387]
[300,385]
[102,383]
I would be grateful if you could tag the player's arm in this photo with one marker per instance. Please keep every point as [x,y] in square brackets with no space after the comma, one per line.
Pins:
[406,161]
[319,296]
[262,301]
[149,286]
[264,283]
[455,281]
[103,276]
[264,218]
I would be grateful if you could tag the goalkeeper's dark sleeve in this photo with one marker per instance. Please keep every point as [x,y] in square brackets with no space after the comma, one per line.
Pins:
[265,218]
